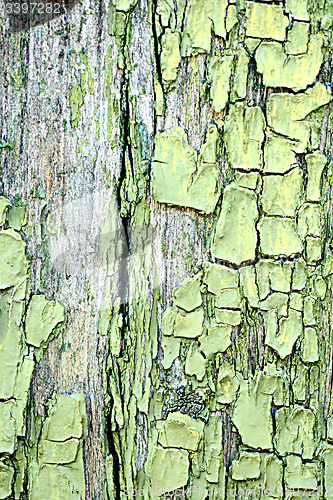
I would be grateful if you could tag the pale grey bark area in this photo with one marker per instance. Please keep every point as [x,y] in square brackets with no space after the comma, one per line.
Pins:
[56,180]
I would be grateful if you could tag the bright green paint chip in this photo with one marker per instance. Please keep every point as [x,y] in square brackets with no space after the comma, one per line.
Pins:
[235,237]
[170,56]
[279,155]
[219,71]
[13,264]
[240,83]
[299,475]
[178,177]
[274,301]
[169,469]
[217,340]
[298,8]
[195,364]
[168,320]
[243,133]
[16,217]
[282,194]
[309,311]
[22,384]
[273,277]
[278,237]
[53,452]
[248,285]
[310,346]
[189,326]
[296,73]
[297,40]
[4,204]
[247,180]
[200,19]
[246,467]
[219,278]
[7,429]
[313,249]
[43,316]
[228,317]
[187,295]
[309,222]
[6,480]
[299,276]
[282,339]
[227,387]
[316,163]
[67,418]
[297,108]
[295,432]
[254,401]
[50,483]
[180,431]
[170,347]
[65,479]
[266,21]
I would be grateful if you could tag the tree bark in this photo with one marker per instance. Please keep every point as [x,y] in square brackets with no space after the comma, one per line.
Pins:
[165,250]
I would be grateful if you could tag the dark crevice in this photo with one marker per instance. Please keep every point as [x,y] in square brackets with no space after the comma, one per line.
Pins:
[115,457]
[156,45]
[127,161]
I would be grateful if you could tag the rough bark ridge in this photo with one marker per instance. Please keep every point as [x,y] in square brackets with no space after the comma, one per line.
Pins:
[166,251]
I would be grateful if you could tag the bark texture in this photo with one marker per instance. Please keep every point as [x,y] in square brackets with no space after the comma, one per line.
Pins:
[166,250]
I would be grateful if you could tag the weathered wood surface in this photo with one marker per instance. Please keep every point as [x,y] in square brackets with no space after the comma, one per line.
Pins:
[82,97]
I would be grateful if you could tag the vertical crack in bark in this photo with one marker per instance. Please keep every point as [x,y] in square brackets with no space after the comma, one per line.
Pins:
[156,44]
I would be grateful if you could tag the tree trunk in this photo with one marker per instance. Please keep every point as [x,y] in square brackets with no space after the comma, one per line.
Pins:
[165,250]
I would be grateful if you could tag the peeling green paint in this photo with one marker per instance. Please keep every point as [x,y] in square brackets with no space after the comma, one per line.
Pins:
[235,238]
[200,19]
[170,56]
[43,316]
[178,177]
[220,75]
[297,73]
[4,204]
[266,21]
[247,125]
[241,340]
